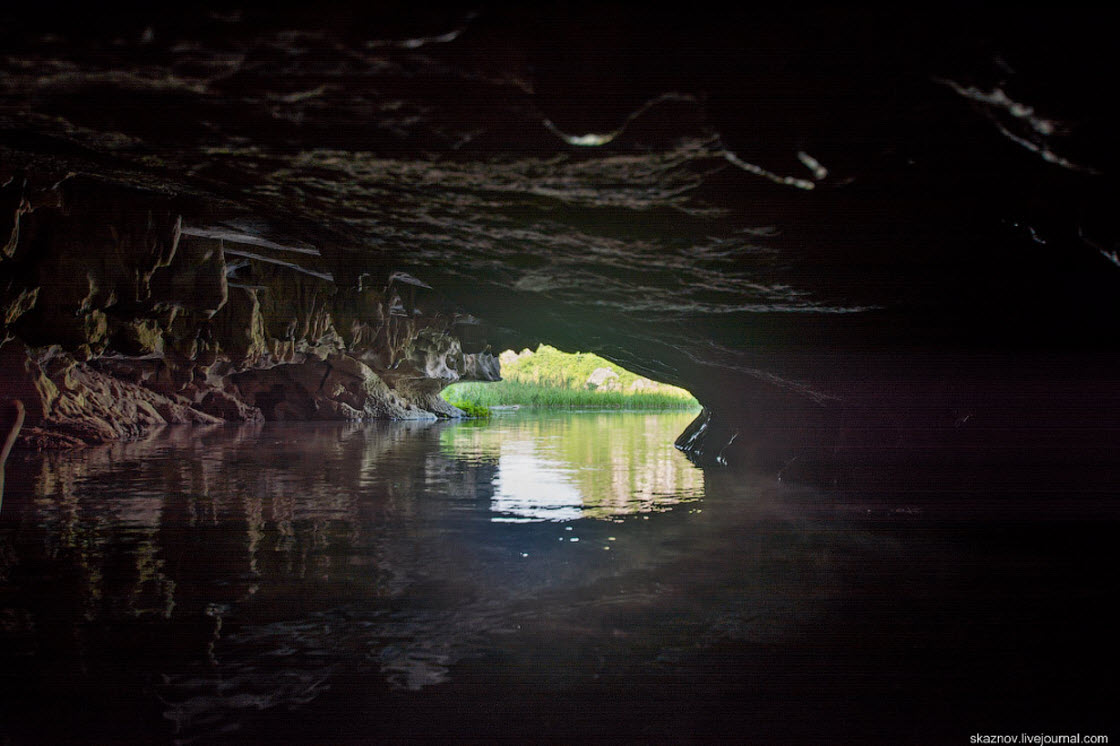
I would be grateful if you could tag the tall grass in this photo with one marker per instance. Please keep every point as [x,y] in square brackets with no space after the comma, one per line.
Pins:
[509,393]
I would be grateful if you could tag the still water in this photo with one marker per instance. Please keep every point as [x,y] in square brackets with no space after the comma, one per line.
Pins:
[557,578]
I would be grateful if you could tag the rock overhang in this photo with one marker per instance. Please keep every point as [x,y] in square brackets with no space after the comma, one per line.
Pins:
[870,228]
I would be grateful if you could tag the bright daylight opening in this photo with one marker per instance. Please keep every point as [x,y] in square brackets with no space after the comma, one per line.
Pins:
[551,379]
[573,436]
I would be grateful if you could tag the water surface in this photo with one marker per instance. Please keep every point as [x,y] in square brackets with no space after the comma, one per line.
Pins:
[550,577]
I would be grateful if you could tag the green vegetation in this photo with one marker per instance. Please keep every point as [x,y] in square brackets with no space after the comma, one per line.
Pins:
[549,378]
[471,409]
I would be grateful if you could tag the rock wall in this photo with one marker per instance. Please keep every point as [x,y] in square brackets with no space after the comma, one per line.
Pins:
[121,314]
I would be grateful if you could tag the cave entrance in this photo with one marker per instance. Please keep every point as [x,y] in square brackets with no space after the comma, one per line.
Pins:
[588,439]
[548,378]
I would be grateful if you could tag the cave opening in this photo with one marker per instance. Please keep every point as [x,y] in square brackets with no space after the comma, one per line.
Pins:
[548,378]
[572,437]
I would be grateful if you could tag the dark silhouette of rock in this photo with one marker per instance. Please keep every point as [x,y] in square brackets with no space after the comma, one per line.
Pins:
[836,227]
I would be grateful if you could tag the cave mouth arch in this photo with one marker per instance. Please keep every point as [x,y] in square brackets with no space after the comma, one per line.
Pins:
[264,241]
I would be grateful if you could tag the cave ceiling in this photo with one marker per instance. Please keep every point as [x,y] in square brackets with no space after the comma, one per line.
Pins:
[707,195]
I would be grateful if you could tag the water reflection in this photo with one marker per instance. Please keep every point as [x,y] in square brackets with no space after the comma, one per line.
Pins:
[357,583]
[560,467]
[237,571]
[529,487]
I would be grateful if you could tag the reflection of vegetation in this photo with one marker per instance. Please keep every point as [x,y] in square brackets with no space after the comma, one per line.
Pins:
[635,470]
[214,567]
[554,379]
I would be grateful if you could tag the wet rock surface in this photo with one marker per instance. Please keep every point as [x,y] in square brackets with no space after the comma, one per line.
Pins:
[123,319]
[845,231]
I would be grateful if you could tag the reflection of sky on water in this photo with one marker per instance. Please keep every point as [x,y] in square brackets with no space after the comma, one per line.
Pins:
[563,467]
[530,487]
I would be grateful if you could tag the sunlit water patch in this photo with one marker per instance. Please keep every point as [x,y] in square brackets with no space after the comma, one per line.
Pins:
[561,467]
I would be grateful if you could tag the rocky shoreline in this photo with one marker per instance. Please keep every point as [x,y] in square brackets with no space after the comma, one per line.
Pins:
[119,319]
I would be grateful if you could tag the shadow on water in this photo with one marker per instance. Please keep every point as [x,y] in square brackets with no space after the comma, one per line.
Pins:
[534,578]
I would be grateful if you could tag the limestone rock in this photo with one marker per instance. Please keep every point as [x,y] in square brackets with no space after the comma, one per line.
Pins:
[195,278]
[480,366]
[602,379]
[240,327]
[22,378]
[13,204]
[70,402]
[229,408]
